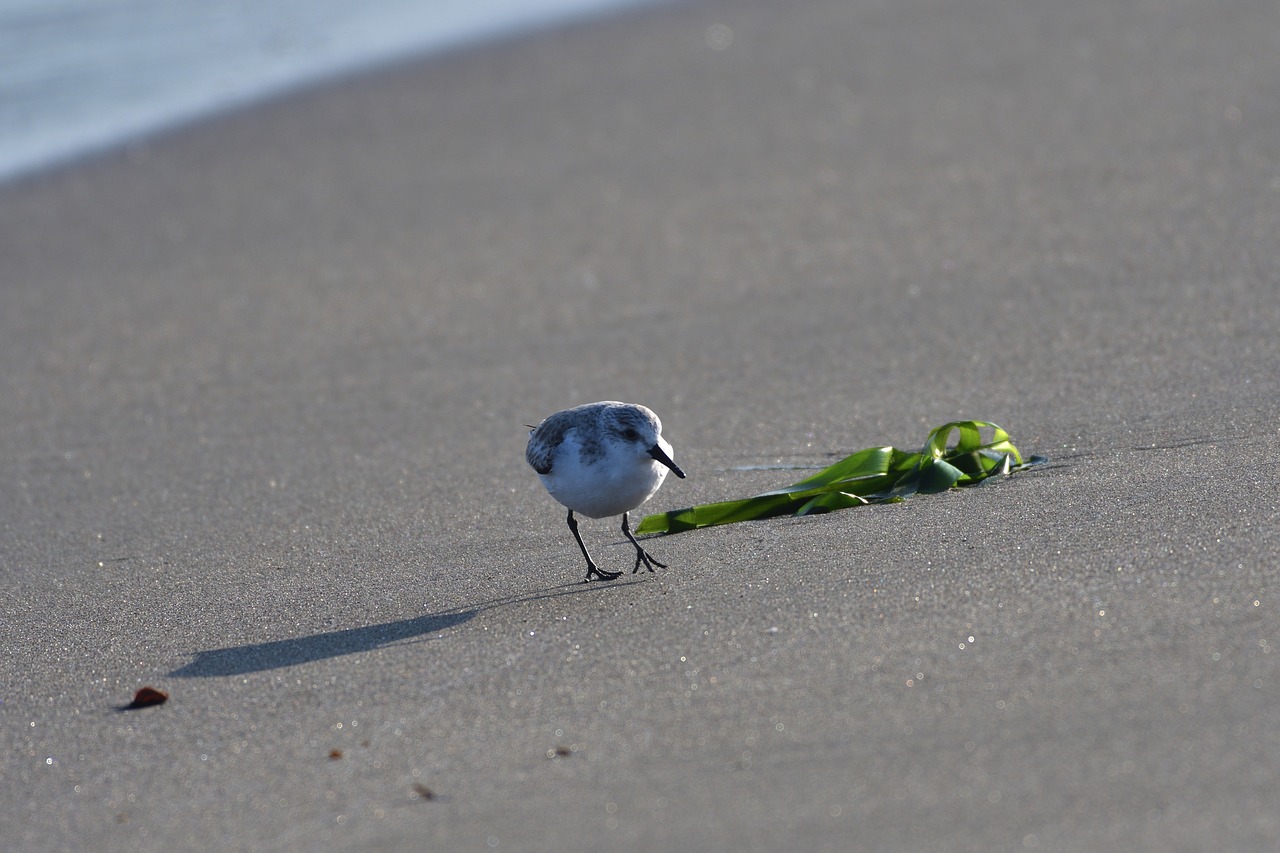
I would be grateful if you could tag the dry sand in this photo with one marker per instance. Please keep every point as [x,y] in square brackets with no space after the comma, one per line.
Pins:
[261,447]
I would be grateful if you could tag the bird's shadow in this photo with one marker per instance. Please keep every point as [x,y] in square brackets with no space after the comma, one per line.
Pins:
[277,654]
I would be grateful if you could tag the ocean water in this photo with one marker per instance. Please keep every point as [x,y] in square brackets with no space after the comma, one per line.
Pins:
[78,76]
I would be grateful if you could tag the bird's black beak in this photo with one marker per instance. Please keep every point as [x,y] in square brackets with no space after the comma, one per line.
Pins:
[661,455]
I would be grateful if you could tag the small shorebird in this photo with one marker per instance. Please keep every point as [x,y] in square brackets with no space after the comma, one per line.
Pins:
[602,459]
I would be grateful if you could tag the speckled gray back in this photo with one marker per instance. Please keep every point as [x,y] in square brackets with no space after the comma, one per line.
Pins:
[615,417]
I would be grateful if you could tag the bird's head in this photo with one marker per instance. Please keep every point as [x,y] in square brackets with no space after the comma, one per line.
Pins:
[640,427]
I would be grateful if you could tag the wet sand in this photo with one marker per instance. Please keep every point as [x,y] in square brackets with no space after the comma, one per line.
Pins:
[262,447]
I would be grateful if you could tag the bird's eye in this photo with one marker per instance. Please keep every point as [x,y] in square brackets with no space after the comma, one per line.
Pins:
[630,434]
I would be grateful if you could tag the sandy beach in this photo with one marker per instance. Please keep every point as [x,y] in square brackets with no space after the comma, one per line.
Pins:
[262,445]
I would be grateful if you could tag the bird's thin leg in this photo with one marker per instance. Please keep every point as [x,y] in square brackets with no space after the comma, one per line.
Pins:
[642,556]
[591,564]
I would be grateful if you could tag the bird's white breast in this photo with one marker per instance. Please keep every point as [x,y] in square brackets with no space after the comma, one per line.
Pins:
[611,484]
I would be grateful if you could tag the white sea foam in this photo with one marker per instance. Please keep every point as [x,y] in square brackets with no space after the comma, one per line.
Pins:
[83,75]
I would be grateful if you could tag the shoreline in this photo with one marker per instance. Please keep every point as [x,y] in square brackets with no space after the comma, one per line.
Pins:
[137,122]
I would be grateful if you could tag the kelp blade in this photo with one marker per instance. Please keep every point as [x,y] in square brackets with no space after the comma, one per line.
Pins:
[874,475]
[970,441]
[863,465]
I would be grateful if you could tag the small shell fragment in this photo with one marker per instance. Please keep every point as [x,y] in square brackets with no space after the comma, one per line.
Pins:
[146,697]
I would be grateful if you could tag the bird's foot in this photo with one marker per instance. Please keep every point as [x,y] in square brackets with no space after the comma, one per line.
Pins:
[643,556]
[593,571]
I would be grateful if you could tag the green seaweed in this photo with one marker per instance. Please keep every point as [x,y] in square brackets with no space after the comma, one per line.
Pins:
[874,475]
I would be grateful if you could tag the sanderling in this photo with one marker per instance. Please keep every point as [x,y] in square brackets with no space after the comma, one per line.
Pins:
[602,459]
